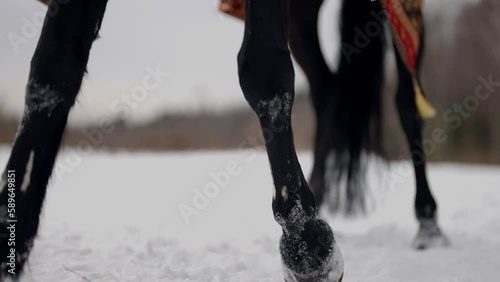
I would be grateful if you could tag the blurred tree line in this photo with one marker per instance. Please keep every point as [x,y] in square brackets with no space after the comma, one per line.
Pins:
[455,65]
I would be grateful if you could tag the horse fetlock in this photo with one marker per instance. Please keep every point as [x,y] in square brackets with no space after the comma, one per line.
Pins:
[427,212]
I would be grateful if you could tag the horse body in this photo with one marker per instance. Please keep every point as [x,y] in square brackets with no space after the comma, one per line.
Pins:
[344,125]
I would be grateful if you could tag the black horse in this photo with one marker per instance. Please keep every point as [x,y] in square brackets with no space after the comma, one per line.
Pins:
[347,105]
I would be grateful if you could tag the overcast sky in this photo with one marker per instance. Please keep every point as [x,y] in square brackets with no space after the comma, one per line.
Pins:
[190,40]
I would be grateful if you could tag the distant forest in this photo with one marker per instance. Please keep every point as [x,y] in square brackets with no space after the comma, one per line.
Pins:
[451,77]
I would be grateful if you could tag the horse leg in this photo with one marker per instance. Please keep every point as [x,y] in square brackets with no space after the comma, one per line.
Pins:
[57,69]
[305,46]
[308,249]
[429,233]
[347,103]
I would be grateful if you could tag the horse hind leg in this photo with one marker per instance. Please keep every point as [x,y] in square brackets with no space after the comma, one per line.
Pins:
[429,234]
[56,74]
[346,103]
[305,46]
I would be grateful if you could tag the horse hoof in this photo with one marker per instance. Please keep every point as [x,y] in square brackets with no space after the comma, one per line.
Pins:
[430,236]
[311,254]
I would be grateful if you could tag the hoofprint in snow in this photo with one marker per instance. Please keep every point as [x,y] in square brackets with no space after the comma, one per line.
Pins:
[131,217]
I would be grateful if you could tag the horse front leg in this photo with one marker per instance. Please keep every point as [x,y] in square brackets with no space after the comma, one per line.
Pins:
[308,248]
[56,74]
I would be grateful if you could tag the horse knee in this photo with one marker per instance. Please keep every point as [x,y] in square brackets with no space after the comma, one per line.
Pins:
[55,79]
[44,100]
[267,80]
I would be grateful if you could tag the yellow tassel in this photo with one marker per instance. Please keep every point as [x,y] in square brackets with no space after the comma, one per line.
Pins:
[425,109]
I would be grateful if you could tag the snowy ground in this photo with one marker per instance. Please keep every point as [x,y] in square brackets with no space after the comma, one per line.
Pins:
[115,217]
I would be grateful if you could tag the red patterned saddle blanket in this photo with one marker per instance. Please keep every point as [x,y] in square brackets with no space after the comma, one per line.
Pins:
[405,18]
[407,26]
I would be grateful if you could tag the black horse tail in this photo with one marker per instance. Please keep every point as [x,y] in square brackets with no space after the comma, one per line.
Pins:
[357,120]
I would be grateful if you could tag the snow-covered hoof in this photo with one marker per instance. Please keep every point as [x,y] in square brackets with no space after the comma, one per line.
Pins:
[430,236]
[311,254]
